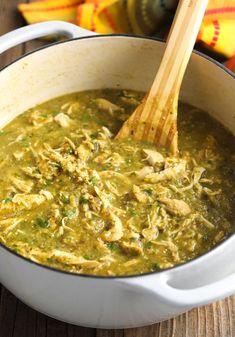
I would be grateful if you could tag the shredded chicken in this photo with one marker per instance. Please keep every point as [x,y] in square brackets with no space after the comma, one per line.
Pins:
[47,194]
[168,173]
[139,195]
[38,118]
[74,197]
[63,120]
[104,104]
[18,155]
[28,200]
[111,188]
[8,225]
[204,221]
[32,172]
[106,133]
[69,258]
[84,151]
[152,231]
[130,100]
[70,107]
[142,173]
[169,245]
[153,157]
[22,185]
[196,177]
[115,233]
[132,248]
[175,206]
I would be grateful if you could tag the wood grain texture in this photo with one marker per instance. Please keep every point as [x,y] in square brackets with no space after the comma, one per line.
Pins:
[216,320]
[155,119]
[18,320]
[10,19]
[109,333]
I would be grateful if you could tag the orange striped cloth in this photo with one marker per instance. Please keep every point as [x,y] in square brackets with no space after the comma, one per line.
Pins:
[148,17]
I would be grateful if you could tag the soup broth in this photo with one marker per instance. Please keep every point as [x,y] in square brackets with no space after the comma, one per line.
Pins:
[74,198]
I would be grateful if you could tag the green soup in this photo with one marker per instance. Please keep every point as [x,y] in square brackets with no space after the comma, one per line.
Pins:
[74,198]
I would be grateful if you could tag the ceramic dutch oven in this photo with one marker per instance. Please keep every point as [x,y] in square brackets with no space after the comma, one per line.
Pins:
[88,61]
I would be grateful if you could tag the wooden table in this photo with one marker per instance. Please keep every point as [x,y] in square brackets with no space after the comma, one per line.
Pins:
[18,320]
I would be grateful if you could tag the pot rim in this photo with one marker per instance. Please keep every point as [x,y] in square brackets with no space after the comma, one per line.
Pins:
[220,65]
[177,267]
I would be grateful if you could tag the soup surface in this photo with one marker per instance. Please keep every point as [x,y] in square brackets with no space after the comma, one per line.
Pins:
[74,198]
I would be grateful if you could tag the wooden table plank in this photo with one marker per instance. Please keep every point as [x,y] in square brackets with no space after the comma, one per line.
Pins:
[77,331]
[8,307]
[215,320]
[10,19]
[18,320]
[109,333]
[56,328]
[25,321]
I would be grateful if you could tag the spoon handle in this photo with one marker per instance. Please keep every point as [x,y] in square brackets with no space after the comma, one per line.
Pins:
[180,43]
[162,102]
[155,120]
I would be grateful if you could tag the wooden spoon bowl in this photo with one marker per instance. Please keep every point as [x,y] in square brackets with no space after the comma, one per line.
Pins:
[155,120]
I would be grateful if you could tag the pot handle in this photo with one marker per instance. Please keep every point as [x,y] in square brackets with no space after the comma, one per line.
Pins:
[204,280]
[39,30]
[186,298]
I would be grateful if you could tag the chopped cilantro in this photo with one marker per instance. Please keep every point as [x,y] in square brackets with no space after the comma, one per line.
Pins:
[206,238]
[25,144]
[147,245]
[102,122]
[94,180]
[2,132]
[71,214]
[132,212]
[64,198]
[42,222]
[85,118]
[69,151]
[114,247]
[83,200]
[15,249]
[133,239]
[49,182]
[6,200]
[155,266]
[149,191]
[56,165]
[94,135]
[128,161]
[87,257]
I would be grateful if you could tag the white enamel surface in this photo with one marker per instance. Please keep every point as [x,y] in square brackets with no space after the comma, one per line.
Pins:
[115,62]
[94,302]
[110,62]
[204,280]
[38,30]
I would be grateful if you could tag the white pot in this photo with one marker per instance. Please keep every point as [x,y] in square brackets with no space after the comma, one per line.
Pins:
[112,62]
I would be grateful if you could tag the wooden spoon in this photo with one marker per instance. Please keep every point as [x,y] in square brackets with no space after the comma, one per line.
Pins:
[155,120]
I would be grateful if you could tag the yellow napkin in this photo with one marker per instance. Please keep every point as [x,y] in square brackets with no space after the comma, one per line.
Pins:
[138,17]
